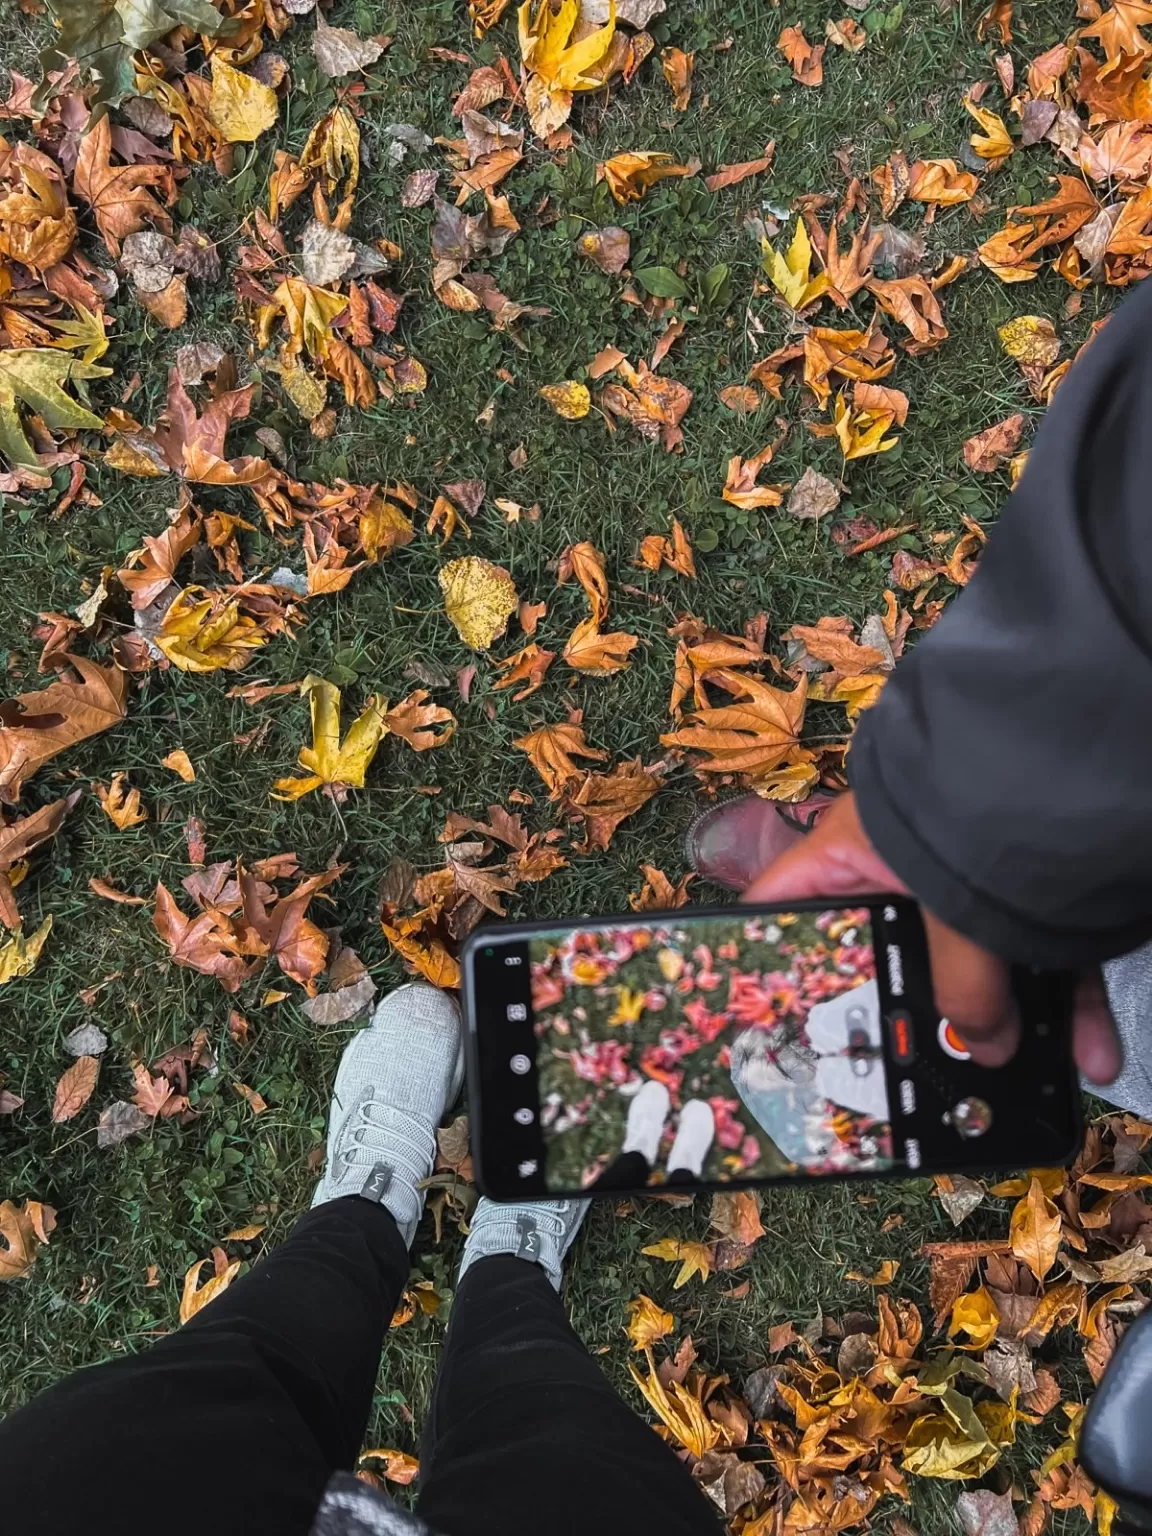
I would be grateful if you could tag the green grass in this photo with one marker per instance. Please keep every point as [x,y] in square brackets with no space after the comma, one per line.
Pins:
[164,1199]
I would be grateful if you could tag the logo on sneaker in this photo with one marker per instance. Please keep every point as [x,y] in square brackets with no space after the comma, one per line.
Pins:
[377,1182]
[529,1245]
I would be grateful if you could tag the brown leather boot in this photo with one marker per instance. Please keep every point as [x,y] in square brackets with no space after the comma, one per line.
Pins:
[733,842]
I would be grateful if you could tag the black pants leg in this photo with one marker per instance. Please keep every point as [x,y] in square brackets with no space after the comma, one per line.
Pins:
[232,1424]
[525,1434]
[627,1170]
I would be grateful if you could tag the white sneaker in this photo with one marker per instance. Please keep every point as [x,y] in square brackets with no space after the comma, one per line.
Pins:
[395,1081]
[694,1137]
[540,1232]
[646,1116]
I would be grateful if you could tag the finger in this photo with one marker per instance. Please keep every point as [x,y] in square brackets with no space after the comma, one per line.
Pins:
[1095,1038]
[974,992]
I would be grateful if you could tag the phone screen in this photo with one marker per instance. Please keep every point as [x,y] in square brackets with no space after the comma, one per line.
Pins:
[712,1048]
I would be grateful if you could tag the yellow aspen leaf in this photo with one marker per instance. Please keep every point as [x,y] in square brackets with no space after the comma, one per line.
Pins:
[120,804]
[693,1258]
[791,273]
[197,1296]
[1030,339]
[181,764]
[479,598]
[975,1315]
[337,765]
[1035,1230]
[18,956]
[570,399]
[647,1323]
[240,106]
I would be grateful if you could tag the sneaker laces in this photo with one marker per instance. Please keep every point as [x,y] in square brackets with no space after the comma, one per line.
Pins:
[402,1140]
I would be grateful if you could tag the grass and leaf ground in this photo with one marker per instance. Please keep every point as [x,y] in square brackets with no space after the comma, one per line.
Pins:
[132,1219]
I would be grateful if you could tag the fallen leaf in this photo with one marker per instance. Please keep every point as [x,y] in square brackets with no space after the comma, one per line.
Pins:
[675,552]
[205,632]
[479,598]
[110,892]
[846,33]
[607,248]
[588,650]
[341,52]
[813,496]
[752,735]
[75,1088]
[240,106]
[551,750]
[244,1234]
[693,1258]
[398,1466]
[740,484]
[995,142]
[976,1317]
[569,400]
[195,1296]
[737,1216]
[1031,339]
[658,894]
[18,840]
[181,764]
[35,376]
[985,1513]
[884,1275]
[527,666]
[1035,1230]
[119,195]
[791,273]
[34,727]
[991,449]
[25,1229]
[119,1121]
[150,570]
[335,765]
[807,61]
[256,1102]
[630,175]
[679,1410]
[731,175]
[677,69]
[601,801]
[647,1323]
[120,804]
[942,182]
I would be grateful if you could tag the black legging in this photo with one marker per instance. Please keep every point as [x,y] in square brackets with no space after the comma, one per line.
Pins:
[236,1421]
[631,1170]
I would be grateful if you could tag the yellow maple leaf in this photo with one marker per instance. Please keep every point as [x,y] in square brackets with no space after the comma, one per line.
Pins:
[862,433]
[976,1315]
[647,1322]
[204,634]
[791,274]
[629,175]
[679,1410]
[995,143]
[196,1296]
[240,106]
[694,1258]
[18,955]
[340,765]
[120,804]
[556,66]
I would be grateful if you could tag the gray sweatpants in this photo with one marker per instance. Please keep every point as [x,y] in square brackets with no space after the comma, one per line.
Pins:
[1129,984]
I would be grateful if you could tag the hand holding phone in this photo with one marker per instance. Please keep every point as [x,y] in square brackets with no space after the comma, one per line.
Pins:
[726,1047]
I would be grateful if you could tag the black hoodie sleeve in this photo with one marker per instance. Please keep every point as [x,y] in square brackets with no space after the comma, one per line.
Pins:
[1006,772]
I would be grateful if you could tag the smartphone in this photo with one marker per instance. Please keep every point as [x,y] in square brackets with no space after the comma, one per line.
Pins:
[725,1047]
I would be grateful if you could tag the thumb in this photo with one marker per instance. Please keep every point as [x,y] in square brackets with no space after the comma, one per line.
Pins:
[974,993]
[836,859]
